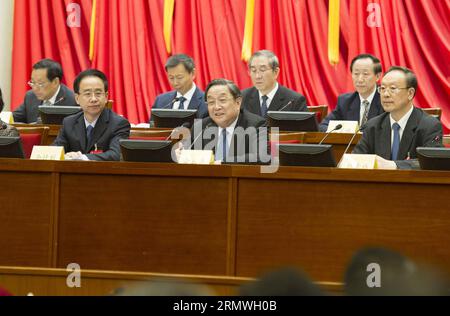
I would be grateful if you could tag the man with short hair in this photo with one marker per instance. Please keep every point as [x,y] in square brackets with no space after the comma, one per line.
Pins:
[94,133]
[364,103]
[46,89]
[235,131]
[181,73]
[395,135]
[267,94]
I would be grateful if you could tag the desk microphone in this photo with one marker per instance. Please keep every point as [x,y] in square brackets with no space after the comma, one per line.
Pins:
[201,133]
[336,128]
[170,103]
[286,105]
[59,100]
[351,141]
[185,125]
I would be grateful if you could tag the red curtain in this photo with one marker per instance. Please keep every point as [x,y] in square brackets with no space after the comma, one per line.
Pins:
[41,30]
[130,46]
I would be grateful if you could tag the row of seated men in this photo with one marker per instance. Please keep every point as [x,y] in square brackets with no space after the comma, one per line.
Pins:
[392,126]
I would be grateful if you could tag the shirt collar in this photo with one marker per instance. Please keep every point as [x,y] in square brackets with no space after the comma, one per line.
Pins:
[86,123]
[370,97]
[271,94]
[230,128]
[402,122]
[52,100]
[188,95]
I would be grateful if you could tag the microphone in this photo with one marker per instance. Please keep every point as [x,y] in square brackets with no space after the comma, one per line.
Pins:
[436,139]
[286,105]
[196,138]
[351,141]
[170,103]
[59,100]
[185,125]
[336,128]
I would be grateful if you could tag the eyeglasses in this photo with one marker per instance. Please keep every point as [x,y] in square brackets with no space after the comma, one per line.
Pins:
[261,70]
[37,85]
[382,90]
[90,94]
[221,101]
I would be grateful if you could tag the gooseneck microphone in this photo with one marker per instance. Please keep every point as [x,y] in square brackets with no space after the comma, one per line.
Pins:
[185,125]
[201,133]
[170,104]
[336,128]
[286,105]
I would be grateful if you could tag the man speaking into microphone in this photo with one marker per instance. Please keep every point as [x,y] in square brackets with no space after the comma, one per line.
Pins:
[46,89]
[395,134]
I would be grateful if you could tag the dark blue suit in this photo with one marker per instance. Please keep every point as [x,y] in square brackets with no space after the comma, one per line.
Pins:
[348,109]
[163,101]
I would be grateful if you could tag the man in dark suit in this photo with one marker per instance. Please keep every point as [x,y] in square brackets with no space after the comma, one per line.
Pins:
[364,103]
[266,94]
[186,96]
[395,135]
[233,134]
[6,129]
[46,89]
[93,134]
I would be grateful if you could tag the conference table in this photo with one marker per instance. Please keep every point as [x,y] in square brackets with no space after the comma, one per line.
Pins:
[229,220]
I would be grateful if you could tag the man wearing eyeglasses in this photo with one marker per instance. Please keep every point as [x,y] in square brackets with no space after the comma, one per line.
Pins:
[364,103]
[395,135]
[94,133]
[46,89]
[267,94]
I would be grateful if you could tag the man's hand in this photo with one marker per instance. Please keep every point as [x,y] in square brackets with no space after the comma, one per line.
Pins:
[74,156]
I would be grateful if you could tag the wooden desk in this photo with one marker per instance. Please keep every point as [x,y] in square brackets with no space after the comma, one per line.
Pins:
[216,220]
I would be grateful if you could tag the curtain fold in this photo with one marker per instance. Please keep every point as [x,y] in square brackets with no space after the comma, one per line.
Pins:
[130,47]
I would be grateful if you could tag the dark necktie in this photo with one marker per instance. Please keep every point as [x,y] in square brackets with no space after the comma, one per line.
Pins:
[181,106]
[396,141]
[221,152]
[264,105]
[89,130]
[365,116]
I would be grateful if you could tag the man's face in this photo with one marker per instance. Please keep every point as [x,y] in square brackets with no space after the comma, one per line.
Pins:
[92,96]
[222,107]
[263,76]
[364,77]
[180,79]
[41,86]
[395,97]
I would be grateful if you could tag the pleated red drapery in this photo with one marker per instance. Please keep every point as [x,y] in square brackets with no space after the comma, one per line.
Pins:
[129,44]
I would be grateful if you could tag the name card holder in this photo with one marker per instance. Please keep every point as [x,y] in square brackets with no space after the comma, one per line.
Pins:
[347,126]
[7,117]
[196,157]
[47,153]
[358,161]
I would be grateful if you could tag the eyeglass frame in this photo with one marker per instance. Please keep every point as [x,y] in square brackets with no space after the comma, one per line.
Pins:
[391,90]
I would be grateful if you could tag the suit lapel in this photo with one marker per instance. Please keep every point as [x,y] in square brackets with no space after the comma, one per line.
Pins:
[195,100]
[279,100]
[354,108]
[375,106]
[409,134]
[254,105]
[385,139]
[80,131]
[100,128]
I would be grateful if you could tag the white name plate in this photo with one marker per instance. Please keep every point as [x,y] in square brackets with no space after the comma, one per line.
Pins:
[347,126]
[197,157]
[358,161]
[7,117]
[47,153]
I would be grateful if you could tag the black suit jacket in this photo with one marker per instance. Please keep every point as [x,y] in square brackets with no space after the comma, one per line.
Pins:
[109,129]
[28,111]
[251,102]
[241,149]
[422,130]
[348,109]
